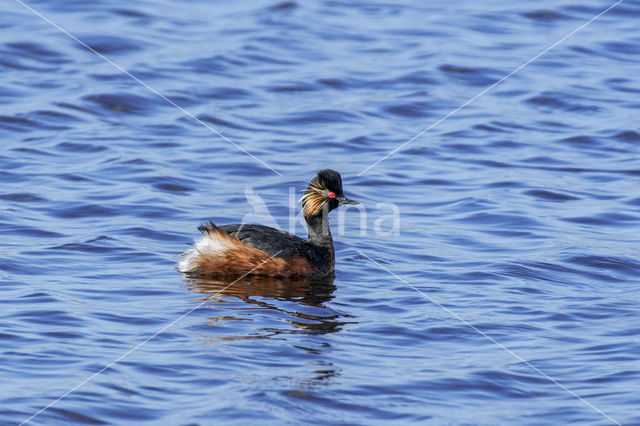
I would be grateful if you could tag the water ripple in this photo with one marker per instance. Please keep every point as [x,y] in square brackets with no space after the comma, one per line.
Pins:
[517,213]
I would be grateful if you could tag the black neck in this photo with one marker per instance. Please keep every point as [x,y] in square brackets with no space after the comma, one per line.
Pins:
[320,235]
[318,227]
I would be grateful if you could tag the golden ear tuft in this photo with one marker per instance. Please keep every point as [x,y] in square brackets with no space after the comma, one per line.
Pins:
[313,198]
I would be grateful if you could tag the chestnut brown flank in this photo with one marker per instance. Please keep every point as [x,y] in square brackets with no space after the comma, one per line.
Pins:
[240,258]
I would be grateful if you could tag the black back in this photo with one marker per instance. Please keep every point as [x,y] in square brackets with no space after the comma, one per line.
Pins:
[275,242]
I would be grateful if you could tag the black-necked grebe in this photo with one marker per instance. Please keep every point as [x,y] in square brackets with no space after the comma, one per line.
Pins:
[235,250]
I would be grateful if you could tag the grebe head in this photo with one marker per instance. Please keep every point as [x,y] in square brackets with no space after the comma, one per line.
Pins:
[325,188]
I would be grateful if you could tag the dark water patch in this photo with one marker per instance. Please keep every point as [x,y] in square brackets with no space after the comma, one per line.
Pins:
[24,124]
[109,44]
[137,162]
[37,297]
[453,69]
[66,415]
[470,75]
[544,160]
[7,93]
[54,116]
[459,134]
[166,145]
[172,130]
[36,51]
[527,290]
[420,78]
[628,332]
[489,128]
[265,59]
[361,141]
[13,62]
[66,105]
[10,337]
[487,389]
[127,319]
[613,378]
[122,389]
[417,150]
[410,109]
[336,83]
[581,140]
[217,64]
[100,244]
[82,210]
[512,234]
[505,184]
[72,177]
[21,197]
[169,184]
[464,148]
[558,101]
[436,182]
[625,89]
[628,135]
[13,178]
[62,335]
[625,48]
[172,187]
[125,103]
[291,87]
[606,220]
[546,195]
[30,56]
[379,183]
[15,265]
[224,93]
[130,13]
[467,204]
[510,93]
[182,100]
[216,121]
[621,265]
[80,147]
[282,6]
[49,318]
[494,164]
[546,124]
[28,231]
[530,273]
[503,219]
[559,317]
[124,412]
[507,144]
[545,15]
[113,77]
[313,117]
[33,151]
[150,211]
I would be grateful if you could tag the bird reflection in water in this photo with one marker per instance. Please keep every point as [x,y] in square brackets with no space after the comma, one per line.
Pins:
[301,300]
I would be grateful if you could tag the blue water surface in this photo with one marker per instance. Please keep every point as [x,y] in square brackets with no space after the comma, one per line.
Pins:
[491,276]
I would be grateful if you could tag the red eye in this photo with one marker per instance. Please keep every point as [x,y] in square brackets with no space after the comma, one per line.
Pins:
[331,195]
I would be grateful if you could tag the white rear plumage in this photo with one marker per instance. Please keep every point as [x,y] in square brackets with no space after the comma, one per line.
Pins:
[210,244]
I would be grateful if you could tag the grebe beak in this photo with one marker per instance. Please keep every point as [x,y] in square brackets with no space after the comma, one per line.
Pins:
[344,200]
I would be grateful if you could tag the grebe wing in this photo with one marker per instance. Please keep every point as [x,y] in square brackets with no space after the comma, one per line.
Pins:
[270,240]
